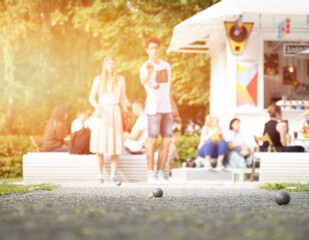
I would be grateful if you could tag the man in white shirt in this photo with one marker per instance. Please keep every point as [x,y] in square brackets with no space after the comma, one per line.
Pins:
[135,140]
[78,123]
[155,75]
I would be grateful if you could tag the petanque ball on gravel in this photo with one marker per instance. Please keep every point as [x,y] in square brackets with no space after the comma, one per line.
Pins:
[158,192]
[282,197]
[118,183]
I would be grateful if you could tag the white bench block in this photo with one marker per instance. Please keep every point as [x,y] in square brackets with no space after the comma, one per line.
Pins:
[200,174]
[283,167]
[65,167]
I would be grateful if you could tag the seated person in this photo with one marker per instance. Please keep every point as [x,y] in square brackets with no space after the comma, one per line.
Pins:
[91,121]
[277,131]
[212,144]
[79,122]
[135,140]
[55,131]
[238,150]
[80,137]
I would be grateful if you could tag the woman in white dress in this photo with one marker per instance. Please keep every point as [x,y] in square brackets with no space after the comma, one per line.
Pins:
[107,133]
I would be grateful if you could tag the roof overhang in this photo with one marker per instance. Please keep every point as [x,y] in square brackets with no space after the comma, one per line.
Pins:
[202,31]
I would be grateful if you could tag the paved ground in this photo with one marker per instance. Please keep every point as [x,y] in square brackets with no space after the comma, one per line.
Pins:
[196,211]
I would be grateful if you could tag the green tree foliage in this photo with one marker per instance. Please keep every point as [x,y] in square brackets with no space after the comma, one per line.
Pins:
[51,64]
[53,50]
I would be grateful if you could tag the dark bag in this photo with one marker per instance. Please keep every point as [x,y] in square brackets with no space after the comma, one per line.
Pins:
[80,142]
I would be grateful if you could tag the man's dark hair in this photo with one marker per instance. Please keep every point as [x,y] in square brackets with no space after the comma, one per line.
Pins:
[232,121]
[152,40]
[140,102]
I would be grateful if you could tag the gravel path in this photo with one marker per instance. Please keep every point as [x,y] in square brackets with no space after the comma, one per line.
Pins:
[196,211]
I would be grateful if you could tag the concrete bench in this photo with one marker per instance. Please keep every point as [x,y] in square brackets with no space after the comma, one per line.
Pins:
[65,167]
[240,172]
[202,174]
[281,167]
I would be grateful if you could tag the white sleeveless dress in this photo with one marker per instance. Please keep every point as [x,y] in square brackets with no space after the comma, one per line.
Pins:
[107,133]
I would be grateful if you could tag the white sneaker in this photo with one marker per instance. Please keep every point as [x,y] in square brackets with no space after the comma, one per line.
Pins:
[152,180]
[161,178]
[114,180]
[100,180]
[220,168]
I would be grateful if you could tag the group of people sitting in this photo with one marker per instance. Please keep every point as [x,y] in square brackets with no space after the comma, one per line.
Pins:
[55,132]
[230,147]
[231,150]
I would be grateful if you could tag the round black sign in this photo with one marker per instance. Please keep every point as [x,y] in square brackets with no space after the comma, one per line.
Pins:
[238,35]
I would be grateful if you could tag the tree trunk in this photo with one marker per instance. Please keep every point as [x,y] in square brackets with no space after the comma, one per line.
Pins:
[8,118]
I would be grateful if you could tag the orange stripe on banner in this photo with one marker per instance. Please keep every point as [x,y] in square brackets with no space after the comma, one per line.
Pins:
[253,89]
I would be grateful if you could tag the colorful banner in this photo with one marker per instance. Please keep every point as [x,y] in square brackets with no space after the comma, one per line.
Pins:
[247,84]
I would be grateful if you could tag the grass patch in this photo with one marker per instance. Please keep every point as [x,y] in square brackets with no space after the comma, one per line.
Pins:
[6,189]
[291,187]
[11,180]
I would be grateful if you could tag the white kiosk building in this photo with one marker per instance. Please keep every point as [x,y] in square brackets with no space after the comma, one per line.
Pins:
[259,55]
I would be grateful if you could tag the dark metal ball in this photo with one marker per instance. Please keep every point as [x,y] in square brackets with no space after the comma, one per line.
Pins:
[282,197]
[158,192]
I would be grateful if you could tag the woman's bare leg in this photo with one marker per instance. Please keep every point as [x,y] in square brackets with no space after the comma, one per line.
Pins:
[220,161]
[100,158]
[208,162]
[114,164]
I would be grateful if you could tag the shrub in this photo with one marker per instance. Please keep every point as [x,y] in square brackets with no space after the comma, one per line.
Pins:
[187,146]
[11,167]
[12,149]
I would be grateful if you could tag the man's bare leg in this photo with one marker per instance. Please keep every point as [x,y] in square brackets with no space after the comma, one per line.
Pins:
[163,154]
[164,149]
[150,149]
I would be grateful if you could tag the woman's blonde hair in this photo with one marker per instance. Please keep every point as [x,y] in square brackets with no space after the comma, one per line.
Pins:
[208,120]
[273,109]
[104,76]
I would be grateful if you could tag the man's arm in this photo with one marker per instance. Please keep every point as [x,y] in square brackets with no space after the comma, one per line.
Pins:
[231,146]
[146,78]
